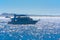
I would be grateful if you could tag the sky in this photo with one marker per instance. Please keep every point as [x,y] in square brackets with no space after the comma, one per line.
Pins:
[30,7]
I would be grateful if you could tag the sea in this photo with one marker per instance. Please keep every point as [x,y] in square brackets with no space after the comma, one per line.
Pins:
[47,28]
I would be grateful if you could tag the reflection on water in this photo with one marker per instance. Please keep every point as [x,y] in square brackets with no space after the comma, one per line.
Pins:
[43,30]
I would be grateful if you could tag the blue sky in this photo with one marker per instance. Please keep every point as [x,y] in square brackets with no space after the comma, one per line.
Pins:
[33,7]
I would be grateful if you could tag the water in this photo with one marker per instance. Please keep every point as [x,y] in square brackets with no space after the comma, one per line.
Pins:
[43,30]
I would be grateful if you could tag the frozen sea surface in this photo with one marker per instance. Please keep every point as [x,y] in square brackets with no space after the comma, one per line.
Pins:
[45,29]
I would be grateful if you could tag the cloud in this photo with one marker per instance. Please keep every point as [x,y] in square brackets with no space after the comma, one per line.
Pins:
[31,11]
